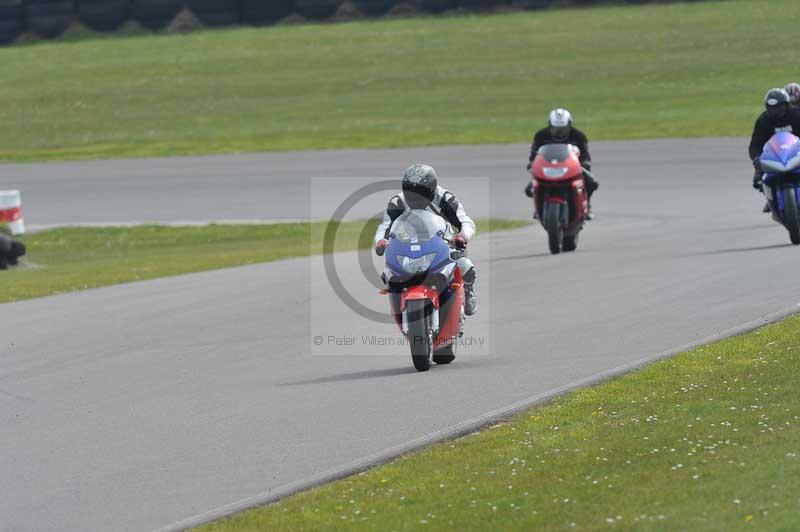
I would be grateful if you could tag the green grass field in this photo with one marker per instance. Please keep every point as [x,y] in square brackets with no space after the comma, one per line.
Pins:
[64,260]
[706,441]
[684,69]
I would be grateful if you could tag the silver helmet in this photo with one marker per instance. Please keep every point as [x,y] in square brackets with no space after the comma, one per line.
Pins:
[419,185]
[560,122]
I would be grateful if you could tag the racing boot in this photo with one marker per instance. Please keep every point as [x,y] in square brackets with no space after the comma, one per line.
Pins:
[470,301]
[766,208]
[591,186]
[589,215]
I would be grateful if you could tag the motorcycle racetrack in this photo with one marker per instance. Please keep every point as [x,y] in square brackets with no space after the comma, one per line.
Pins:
[165,403]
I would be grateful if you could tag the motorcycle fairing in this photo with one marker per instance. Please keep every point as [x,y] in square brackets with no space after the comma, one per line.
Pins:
[780,159]
[781,154]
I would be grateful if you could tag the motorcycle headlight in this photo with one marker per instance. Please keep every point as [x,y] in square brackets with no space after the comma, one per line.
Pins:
[415,266]
[554,171]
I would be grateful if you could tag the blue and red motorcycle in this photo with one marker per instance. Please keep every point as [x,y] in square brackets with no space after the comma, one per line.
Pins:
[780,161]
[425,287]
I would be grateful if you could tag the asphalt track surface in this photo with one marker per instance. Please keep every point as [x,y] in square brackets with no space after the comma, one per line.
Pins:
[160,404]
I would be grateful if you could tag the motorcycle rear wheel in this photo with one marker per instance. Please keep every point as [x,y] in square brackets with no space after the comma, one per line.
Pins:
[791,216]
[420,336]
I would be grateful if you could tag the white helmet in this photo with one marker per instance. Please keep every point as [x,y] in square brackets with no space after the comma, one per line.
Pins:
[793,90]
[560,122]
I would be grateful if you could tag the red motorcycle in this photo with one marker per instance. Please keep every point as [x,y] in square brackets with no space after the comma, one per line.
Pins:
[559,195]
[425,287]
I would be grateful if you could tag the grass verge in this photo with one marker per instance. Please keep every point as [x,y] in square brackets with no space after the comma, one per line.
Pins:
[678,69]
[64,260]
[706,440]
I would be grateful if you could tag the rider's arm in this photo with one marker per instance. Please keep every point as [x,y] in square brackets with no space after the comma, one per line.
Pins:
[393,211]
[538,140]
[583,145]
[454,213]
[761,134]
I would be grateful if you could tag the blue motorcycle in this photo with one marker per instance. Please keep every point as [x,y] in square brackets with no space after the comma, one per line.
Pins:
[425,287]
[780,161]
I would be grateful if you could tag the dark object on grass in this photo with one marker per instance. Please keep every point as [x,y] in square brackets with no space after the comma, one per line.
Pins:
[156,14]
[104,15]
[317,9]
[49,18]
[10,251]
[259,12]
[215,12]
[17,250]
[11,21]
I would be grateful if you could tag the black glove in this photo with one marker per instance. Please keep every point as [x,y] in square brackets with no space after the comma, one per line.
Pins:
[528,166]
[529,190]
[757,164]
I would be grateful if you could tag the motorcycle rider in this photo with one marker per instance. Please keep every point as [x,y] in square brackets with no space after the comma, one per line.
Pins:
[778,116]
[422,191]
[793,90]
[560,130]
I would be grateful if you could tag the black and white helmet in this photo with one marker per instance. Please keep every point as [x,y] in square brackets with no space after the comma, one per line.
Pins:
[560,122]
[419,185]
[777,102]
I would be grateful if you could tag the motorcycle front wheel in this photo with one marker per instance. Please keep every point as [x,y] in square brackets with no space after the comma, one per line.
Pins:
[420,336]
[552,223]
[791,216]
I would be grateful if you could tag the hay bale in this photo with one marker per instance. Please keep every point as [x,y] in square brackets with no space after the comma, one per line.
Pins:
[184,22]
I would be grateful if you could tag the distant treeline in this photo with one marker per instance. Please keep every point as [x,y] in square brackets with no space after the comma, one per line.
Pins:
[51,18]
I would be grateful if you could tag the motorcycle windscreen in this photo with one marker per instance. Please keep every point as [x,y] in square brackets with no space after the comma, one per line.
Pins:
[555,153]
[416,245]
[418,227]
